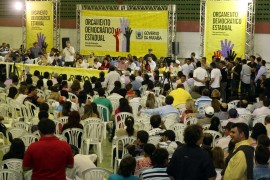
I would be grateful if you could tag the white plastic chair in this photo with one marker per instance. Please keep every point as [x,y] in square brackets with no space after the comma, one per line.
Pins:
[28,175]
[63,119]
[31,108]
[74,136]
[4,149]
[215,135]
[143,101]
[61,137]
[120,119]
[6,174]
[233,103]
[121,140]
[72,96]
[15,133]
[138,126]
[143,89]
[12,164]
[154,140]
[147,126]
[29,139]
[157,91]
[170,119]
[103,110]
[93,134]
[41,94]
[58,126]
[96,173]
[6,112]
[115,105]
[135,108]
[180,106]
[178,129]
[22,125]
[201,108]
[206,126]
[91,119]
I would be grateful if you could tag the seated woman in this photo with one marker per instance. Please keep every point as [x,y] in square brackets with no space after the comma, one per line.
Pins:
[16,151]
[105,64]
[22,94]
[126,169]
[54,93]
[73,122]
[145,162]
[123,107]
[190,110]
[66,109]
[90,111]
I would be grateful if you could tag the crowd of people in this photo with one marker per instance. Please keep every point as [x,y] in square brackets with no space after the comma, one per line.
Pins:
[197,94]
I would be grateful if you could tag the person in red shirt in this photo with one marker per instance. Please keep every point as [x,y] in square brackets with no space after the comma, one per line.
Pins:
[49,157]
[105,64]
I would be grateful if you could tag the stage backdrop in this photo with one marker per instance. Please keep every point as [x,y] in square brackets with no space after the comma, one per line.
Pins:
[39,23]
[225,28]
[119,33]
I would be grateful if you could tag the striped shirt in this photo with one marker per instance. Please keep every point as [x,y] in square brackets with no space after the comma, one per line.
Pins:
[155,174]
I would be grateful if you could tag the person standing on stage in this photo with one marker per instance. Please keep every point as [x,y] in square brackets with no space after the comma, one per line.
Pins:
[35,50]
[150,53]
[69,53]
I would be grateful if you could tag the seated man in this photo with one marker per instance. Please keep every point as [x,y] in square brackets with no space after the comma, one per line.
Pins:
[209,113]
[83,162]
[264,110]
[160,159]
[157,125]
[136,149]
[242,107]
[168,142]
[261,169]
[180,95]
[233,117]
[164,110]
[204,99]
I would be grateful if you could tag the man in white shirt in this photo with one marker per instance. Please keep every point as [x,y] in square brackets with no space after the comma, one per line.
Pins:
[245,78]
[82,162]
[262,110]
[97,64]
[187,68]
[69,53]
[151,63]
[81,63]
[224,142]
[139,77]
[215,76]
[243,104]
[110,78]
[200,77]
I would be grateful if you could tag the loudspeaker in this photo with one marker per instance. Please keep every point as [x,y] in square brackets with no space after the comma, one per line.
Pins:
[64,40]
[175,48]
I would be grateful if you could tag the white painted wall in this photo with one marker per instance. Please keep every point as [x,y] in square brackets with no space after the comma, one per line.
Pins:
[189,41]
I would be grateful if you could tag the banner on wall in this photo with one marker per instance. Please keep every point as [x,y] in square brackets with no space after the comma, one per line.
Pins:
[39,23]
[225,28]
[119,33]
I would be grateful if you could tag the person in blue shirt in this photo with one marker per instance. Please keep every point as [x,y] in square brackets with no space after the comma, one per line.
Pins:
[163,110]
[125,170]
[261,169]
[204,99]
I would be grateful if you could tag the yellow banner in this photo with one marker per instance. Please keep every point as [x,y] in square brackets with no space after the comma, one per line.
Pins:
[225,28]
[119,33]
[39,23]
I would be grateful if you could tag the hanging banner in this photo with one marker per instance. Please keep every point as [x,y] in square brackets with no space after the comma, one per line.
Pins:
[119,33]
[39,23]
[225,28]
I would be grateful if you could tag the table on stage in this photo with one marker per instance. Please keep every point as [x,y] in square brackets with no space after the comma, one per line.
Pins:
[69,71]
